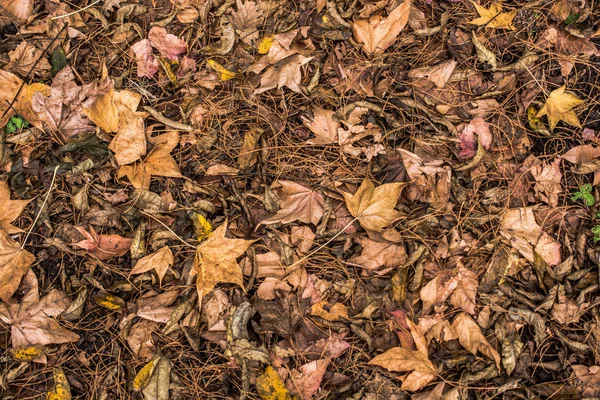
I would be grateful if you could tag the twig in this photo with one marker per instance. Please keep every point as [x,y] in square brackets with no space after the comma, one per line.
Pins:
[169,229]
[166,121]
[76,11]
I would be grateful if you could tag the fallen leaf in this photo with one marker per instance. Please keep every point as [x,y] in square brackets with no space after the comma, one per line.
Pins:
[103,246]
[246,19]
[465,292]
[14,263]
[375,255]
[61,389]
[374,207]
[170,46]
[559,107]
[437,290]
[26,58]
[566,311]
[307,378]
[158,162]
[298,203]
[216,261]
[19,9]
[494,17]
[568,46]
[142,378]
[286,73]
[248,153]
[160,382]
[333,313]
[548,178]
[160,261]
[323,126]
[471,338]
[438,74]
[590,379]
[224,73]
[10,84]
[11,209]
[147,64]
[483,53]
[270,386]
[377,33]
[32,321]
[398,359]
[469,143]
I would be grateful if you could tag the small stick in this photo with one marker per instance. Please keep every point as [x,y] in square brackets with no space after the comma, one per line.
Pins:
[76,11]
[166,121]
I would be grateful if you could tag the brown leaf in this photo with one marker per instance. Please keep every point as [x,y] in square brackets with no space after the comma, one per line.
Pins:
[248,153]
[103,246]
[398,359]
[11,209]
[548,181]
[246,20]
[466,290]
[170,46]
[19,9]
[286,73]
[14,263]
[333,313]
[471,338]
[377,33]
[31,321]
[298,203]
[379,254]
[10,84]
[568,46]
[438,289]
[374,207]
[26,58]
[323,126]
[590,379]
[160,261]
[147,64]
[306,379]
[438,74]
[158,162]
[216,261]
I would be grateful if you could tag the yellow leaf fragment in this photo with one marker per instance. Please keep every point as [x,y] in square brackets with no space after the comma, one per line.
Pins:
[61,389]
[265,44]
[202,227]
[494,17]
[27,353]
[559,107]
[224,73]
[334,313]
[142,378]
[270,386]
[108,300]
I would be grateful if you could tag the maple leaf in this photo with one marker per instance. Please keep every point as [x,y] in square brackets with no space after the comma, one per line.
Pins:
[216,261]
[147,64]
[14,263]
[103,246]
[374,207]
[377,33]
[398,359]
[246,20]
[170,46]
[160,261]
[471,338]
[10,84]
[285,73]
[307,378]
[559,107]
[379,254]
[25,58]
[323,126]
[31,321]
[494,17]
[158,162]
[11,209]
[298,203]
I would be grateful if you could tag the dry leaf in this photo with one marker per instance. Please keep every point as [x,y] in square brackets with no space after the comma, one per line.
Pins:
[333,313]
[375,255]
[286,73]
[19,9]
[568,46]
[270,386]
[374,207]
[398,359]
[248,153]
[142,378]
[11,209]
[147,64]
[465,292]
[438,74]
[246,19]
[483,53]
[170,46]
[471,338]
[160,261]
[590,379]
[10,84]
[14,263]
[306,379]
[298,203]
[216,261]
[158,162]
[494,17]
[26,58]
[103,246]
[377,33]
[160,381]
[559,107]
[323,126]
[61,389]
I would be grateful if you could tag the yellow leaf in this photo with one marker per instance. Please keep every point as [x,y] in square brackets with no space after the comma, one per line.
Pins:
[265,44]
[270,386]
[202,227]
[166,65]
[333,314]
[142,378]
[61,389]
[559,107]
[109,301]
[398,359]
[494,17]
[374,207]
[27,353]
[534,122]
[224,73]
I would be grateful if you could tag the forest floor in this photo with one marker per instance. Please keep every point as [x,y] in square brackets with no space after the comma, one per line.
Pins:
[269,199]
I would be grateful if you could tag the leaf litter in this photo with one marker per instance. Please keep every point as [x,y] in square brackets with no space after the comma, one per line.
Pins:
[313,200]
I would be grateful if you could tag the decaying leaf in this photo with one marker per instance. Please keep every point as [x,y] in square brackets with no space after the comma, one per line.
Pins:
[143,376]
[284,74]
[298,203]
[270,386]
[160,261]
[103,246]
[14,263]
[61,389]
[471,338]
[377,33]
[372,206]
[397,359]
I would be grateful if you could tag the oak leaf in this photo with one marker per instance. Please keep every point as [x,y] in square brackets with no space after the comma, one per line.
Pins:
[471,338]
[14,263]
[377,33]
[298,203]
[11,209]
[398,359]
[160,261]
[559,107]
[32,321]
[158,162]
[103,246]
[216,261]
[374,207]
[494,17]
